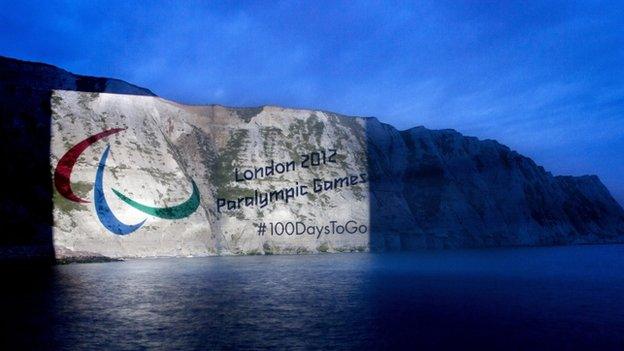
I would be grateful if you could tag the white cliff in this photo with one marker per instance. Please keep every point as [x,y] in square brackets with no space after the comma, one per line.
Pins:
[392,189]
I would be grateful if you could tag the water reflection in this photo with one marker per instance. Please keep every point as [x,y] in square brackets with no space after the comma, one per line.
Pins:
[556,297]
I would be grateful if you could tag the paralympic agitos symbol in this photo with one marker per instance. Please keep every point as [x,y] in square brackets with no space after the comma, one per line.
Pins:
[62,176]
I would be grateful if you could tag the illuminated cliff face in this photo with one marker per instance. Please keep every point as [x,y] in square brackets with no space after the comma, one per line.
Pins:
[164,179]
[275,181]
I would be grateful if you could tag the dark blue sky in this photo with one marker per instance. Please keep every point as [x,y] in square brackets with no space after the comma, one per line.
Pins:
[547,78]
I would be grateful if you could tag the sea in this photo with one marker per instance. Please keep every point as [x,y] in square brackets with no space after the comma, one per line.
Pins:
[549,298]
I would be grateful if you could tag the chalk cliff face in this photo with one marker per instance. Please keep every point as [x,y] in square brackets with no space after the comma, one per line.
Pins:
[459,191]
[250,168]
[270,179]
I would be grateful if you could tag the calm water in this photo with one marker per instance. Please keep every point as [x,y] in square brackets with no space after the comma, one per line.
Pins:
[566,297]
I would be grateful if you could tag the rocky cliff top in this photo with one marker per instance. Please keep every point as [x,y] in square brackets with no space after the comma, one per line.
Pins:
[42,76]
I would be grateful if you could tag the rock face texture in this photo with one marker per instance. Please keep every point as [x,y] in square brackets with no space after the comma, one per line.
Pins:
[249,167]
[269,179]
[459,191]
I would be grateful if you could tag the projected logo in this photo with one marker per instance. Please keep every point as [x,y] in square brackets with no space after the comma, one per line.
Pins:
[62,176]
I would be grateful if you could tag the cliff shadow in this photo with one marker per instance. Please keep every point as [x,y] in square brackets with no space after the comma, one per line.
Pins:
[387,217]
